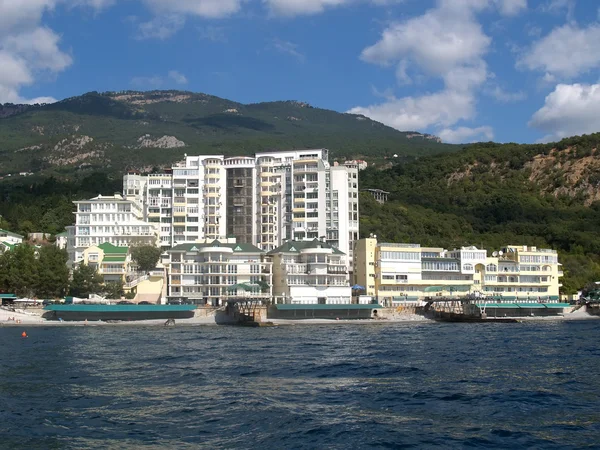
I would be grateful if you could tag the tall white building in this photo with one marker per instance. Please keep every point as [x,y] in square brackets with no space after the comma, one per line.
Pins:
[262,200]
[110,219]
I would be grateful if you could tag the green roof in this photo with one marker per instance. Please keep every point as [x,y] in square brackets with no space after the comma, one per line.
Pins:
[297,246]
[10,233]
[8,296]
[8,245]
[110,249]
[196,246]
[114,259]
[64,233]
[291,307]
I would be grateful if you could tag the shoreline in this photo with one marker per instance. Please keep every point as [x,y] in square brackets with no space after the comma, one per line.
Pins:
[33,319]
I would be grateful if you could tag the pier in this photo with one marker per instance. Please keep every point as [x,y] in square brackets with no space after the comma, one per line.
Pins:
[488,309]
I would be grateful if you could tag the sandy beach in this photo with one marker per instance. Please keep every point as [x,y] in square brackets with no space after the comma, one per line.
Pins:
[31,318]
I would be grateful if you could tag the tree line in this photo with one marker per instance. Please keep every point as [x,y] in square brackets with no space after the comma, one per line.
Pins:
[484,195]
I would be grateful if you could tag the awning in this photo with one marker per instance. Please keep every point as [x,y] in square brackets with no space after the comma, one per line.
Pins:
[457,288]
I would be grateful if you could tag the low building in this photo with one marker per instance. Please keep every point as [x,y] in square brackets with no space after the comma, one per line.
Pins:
[10,238]
[211,272]
[310,272]
[379,195]
[61,240]
[396,273]
[112,262]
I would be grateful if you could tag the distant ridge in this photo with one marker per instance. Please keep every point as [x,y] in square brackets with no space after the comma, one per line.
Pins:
[140,130]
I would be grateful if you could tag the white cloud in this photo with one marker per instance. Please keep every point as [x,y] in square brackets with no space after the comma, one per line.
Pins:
[443,108]
[438,41]
[27,49]
[291,8]
[567,51]
[463,135]
[40,100]
[288,48]
[178,77]
[558,6]
[160,27]
[446,42]
[504,96]
[301,7]
[203,8]
[569,110]
[511,7]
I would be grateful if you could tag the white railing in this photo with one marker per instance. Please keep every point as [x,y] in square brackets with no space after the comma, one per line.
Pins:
[134,283]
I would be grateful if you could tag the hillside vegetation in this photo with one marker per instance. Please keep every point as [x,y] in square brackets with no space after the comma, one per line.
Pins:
[142,130]
[491,195]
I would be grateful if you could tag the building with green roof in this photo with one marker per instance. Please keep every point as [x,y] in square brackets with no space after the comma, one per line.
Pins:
[10,238]
[212,271]
[111,261]
[310,272]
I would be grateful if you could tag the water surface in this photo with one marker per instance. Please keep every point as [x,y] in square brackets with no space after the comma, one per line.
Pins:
[528,385]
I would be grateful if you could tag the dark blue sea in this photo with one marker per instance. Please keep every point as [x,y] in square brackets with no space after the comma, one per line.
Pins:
[509,386]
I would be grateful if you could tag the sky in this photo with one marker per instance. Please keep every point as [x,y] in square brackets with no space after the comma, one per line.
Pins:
[466,70]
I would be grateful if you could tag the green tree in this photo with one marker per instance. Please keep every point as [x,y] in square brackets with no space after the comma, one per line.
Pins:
[18,270]
[86,281]
[52,272]
[113,289]
[145,256]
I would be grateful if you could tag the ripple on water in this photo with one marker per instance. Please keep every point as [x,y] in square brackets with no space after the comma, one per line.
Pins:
[336,387]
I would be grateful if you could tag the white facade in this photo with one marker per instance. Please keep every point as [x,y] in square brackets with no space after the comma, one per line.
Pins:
[10,238]
[310,272]
[108,219]
[262,200]
[209,272]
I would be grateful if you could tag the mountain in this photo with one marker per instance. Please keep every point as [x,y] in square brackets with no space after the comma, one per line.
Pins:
[141,130]
[491,195]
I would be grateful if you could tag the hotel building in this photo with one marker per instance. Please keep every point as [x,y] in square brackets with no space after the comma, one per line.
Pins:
[111,219]
[310,272]
[212,271]
[261,200]
[396,272]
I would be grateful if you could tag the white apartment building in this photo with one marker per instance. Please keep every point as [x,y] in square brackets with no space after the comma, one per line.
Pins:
[210,272]
[310,272]
[260,200]
[111,219]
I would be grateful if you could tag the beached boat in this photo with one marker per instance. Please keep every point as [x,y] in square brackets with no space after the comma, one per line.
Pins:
[92,312]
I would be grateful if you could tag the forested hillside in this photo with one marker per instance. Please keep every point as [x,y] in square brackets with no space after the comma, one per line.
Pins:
[491,195]
[116,131]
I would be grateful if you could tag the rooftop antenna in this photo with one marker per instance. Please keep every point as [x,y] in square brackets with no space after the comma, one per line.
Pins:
[494,254]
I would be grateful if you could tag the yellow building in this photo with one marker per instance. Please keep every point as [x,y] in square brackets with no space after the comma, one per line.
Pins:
[110,261]
[520,272]
[395,273]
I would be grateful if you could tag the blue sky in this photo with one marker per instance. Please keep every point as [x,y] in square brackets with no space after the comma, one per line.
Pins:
[465,70]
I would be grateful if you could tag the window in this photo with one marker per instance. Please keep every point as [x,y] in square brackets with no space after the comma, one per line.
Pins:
[491,268]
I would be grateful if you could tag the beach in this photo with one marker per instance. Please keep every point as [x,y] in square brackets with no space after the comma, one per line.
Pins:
[21,317]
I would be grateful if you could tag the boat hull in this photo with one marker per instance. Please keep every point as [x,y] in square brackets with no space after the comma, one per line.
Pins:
[83,312]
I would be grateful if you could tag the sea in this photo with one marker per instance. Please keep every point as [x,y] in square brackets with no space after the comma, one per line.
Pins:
[532,385]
